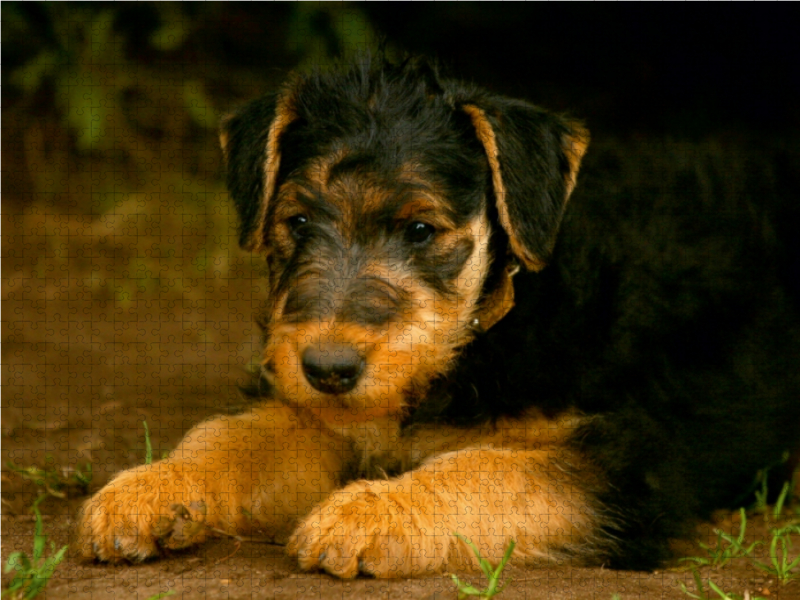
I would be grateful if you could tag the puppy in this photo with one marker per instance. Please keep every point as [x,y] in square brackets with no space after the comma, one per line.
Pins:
[455,342]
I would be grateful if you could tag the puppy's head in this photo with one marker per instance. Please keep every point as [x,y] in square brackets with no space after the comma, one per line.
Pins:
[393,207]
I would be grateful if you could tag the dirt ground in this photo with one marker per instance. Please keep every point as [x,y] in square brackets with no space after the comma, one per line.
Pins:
[225,568]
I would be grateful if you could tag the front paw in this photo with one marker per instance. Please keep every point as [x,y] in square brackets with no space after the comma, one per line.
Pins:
[375,528]
[140,512]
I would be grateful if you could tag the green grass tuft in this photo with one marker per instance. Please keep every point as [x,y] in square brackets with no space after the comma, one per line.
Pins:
[783,565]
[148,447]
[53,481]
[33,572]
[493,575]
[162,595]
[726,548]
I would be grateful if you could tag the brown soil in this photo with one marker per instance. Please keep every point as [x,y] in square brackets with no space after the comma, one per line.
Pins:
[226,568]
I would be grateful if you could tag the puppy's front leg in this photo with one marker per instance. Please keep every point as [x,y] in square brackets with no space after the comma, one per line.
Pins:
[404,526]
[263,469]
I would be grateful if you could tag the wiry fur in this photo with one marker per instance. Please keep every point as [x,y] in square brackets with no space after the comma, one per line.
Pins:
[633,375]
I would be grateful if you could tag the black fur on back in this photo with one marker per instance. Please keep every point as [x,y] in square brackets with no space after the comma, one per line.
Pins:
[668,315]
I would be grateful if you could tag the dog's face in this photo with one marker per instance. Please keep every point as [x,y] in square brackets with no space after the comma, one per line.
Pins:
[376,278]
[378,196]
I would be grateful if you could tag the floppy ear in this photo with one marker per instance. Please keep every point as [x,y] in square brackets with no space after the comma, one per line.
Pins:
[534,158]
[251,143]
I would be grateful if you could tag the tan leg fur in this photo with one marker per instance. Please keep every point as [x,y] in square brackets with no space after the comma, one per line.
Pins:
[501,483]
[262,470]
[269,467]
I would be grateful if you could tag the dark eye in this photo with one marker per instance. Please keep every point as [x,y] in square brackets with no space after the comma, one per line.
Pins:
[419,233]
[297,225]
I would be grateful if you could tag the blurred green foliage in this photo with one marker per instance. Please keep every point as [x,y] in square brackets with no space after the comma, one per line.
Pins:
[320,32]
[86,63]
[115,72]
[105,95]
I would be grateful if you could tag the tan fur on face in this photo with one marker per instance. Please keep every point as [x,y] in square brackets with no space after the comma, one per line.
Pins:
[470,281]
[401,356]
[355,194]
[314,182]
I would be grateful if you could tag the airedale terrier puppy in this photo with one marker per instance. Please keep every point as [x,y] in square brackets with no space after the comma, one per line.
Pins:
[437,359]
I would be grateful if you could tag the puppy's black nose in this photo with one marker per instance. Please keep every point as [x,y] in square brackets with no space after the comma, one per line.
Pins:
[332,368]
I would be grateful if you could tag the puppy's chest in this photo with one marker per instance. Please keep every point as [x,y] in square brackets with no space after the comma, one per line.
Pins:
[377,449]
[382,449]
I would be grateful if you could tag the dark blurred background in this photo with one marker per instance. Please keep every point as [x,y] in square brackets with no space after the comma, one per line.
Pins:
[125,296]
[638,69]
